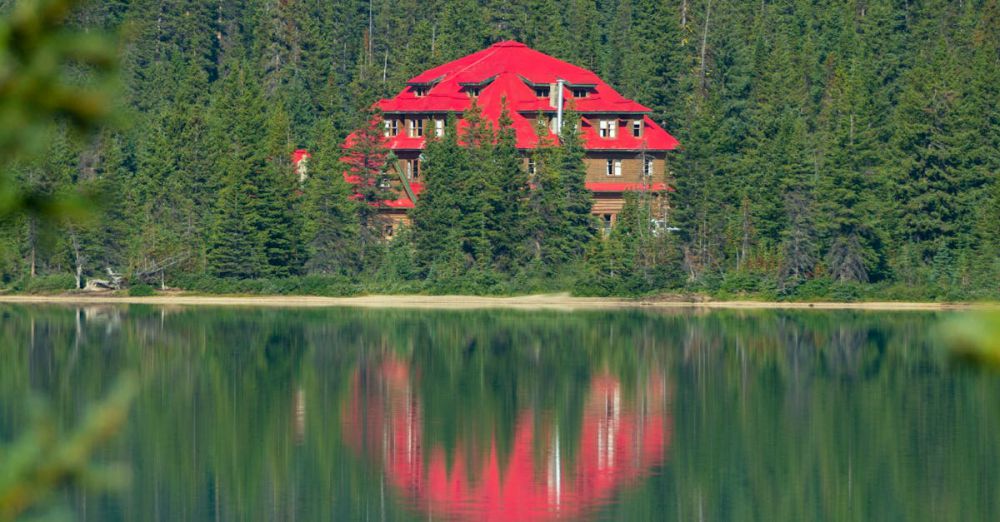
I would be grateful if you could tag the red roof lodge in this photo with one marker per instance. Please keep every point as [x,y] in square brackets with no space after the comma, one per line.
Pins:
[626,149]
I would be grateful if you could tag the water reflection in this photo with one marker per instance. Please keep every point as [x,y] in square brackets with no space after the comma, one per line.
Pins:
[262,414]
[623,434]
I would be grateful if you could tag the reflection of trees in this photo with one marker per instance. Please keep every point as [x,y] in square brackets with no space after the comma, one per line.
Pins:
[778,415]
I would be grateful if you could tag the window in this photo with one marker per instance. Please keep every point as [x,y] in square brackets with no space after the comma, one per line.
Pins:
[581,93]
[637,128]
[614,168]
[416,128]
[542,92]
[439,127]
[391,127]
[384,182]
[607,219]
[609,128]
[647,167]
[531,166]
[388,231]
[473,92]
[420,91]
[412,169]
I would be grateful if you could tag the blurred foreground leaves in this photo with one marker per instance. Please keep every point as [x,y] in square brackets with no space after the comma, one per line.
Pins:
[50,74]
[41,461]
[975,339]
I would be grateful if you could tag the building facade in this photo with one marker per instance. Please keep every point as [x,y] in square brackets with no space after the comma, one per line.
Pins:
[625,149]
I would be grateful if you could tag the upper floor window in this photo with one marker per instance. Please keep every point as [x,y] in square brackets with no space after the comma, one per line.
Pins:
[542,92]
[614,168]
[391,127]
[647,167]
[609,128]
[637,128]
[420,91]
[416,128]
[473,92]
[581,93]
[439,127]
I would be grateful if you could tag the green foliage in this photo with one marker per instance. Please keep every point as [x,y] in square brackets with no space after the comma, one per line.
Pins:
[43,460]
[852,142]
[48,284]
[141,290]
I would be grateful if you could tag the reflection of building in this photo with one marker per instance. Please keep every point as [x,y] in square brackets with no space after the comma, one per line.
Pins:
[625,149]
[619,441]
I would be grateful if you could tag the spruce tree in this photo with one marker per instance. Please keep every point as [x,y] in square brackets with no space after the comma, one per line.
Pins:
[366,161]
[438,210]
[508,198]
[330,230]
[580,225]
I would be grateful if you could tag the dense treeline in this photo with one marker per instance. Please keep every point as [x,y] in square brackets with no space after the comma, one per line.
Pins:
[829,148]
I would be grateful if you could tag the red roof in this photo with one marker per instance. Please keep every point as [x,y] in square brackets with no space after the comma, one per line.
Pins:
[511,70]
[299,155]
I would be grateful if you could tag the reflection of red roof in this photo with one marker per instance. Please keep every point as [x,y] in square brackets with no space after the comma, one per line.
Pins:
[511,70]
[619,440]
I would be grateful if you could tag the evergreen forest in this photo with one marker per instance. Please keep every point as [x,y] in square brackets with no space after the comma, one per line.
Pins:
[830,149]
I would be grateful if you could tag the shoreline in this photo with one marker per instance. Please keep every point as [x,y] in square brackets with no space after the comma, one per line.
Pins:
[457,302]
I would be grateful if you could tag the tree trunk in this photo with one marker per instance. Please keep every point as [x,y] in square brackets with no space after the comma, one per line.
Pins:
[704,47]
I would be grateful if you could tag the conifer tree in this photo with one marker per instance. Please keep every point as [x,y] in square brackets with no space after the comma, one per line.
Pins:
[547,204]
[509,193]
[580,226]
[330,231]
[367,161]
[435,236]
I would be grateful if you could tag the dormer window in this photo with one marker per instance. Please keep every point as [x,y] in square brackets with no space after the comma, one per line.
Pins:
[581,93]
[609,128]
[420,92]
[636,128]
[473,92]
[542,91]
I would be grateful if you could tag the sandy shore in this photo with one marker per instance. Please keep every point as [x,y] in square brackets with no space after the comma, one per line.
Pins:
[533,302]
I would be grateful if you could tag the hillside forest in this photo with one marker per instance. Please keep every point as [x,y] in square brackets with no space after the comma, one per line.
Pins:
[829,149]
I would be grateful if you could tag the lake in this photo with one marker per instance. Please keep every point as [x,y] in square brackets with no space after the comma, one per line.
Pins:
[349,414]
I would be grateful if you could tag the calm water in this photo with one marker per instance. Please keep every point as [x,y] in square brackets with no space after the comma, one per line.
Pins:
[258,414]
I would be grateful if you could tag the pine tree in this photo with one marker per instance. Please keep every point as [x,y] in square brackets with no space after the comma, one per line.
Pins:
[435,236]
[547,204]
[276,202]
[330,230]
[510,189]
[366,160]
[580,226]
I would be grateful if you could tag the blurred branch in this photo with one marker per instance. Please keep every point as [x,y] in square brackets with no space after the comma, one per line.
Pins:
[40,462]
[975,339]
[36,53]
